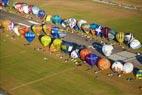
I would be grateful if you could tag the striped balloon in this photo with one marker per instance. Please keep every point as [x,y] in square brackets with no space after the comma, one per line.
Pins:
[120,37]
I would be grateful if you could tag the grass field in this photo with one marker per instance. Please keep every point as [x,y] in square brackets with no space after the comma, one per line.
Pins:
[24,72]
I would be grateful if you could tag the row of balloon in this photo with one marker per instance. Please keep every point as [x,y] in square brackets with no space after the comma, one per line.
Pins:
[29,9]
[96,29]
[48,38]
[82,25]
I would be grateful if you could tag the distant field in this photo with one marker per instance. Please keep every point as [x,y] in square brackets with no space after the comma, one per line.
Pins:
[24,72]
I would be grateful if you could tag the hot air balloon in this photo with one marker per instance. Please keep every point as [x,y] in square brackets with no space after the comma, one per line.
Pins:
[117,66]
[26,9]
[36,29]
[41,14]
[128,67]
[75,53]
[29,36]
[103,64]
[56,19]
[47,28]
[98,31]
[135,44]
[16,30]
[30,9]
[17,6]
[120,37]
[80,22]
[7,25]
[67,47]
[55,32]
[56,45]
[48,18]
[139,74]
[94,26]
[85,28]
[111,34]
[105,31]
[5,2]
[23,30]
[91,59]
[72,22]
[84,52]
[129,38]
[45,40]
[35,10]
[107,50]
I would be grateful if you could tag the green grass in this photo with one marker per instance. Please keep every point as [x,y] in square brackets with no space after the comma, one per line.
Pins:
[20,65]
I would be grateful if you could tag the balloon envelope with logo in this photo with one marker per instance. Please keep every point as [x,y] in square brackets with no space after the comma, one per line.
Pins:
[29,36]
[92,59]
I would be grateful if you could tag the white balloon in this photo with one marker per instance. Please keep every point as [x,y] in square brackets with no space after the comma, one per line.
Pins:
[74,54]
[80,22]
[107,50]
[72,22]
[135,44]
[129,37]
[15,30]
[35,10]
[99,29]
[128,67]
[11,26]
[117,66]
[26,9]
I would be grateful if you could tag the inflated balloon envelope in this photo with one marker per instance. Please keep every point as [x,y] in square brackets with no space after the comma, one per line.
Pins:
[29,36]
[92,59]
[45,40]
[103,64]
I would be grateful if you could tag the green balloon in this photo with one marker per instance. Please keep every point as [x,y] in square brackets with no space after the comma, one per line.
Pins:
[45,40]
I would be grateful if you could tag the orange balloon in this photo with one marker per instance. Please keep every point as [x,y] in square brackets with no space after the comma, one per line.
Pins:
[104,64]
[47,28]
[84,53]
[23,30]
[37,29]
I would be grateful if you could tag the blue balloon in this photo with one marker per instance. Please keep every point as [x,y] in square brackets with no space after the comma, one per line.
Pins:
[92,59]
[94,26]
[5,2]
[56,19]
[30,36]
[55,35]
[55,29]
[41,13]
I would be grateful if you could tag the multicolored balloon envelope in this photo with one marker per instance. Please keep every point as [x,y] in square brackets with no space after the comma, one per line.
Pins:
[92,59]
[117,66]
[47,28]
[29,36]
[84,52]
[103,64]
[45,40]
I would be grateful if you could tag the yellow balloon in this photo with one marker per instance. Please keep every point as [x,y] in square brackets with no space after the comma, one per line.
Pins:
[120,37]
[48,18]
